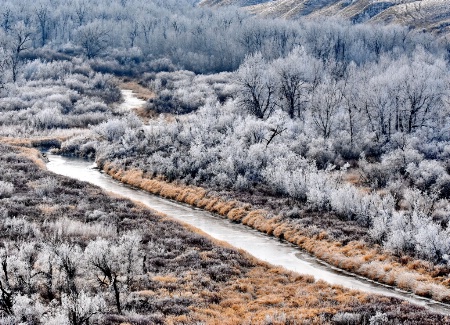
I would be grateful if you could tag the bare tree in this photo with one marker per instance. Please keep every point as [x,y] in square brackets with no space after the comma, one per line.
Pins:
[422,89]
[352,99]
[104,258]
[115,262]
[133,33]
[7,18]
[19,41]
[81,12]
[6,294]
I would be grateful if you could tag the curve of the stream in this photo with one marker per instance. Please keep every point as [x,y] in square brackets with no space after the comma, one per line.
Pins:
[261,246]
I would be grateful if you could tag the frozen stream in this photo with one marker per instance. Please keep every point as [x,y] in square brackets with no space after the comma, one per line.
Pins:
[130,100]
[263,247]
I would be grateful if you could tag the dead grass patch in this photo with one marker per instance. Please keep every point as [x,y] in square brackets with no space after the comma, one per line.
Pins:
[47,209]
[34,155]
[165,279]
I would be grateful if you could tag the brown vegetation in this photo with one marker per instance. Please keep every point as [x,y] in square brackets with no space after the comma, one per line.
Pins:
[417,276]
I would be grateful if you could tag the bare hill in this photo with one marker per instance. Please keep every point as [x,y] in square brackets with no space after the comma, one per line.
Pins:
[431,15]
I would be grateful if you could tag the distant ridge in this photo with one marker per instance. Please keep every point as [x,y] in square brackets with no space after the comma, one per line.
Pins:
[429,15]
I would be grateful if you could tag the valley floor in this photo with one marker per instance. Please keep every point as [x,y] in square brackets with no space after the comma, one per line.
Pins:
[172,275]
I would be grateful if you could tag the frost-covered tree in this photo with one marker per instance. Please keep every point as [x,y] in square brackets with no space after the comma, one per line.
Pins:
[257,86]
[93,38]
[112,261]
[81,308]
[294,75]
[325,104]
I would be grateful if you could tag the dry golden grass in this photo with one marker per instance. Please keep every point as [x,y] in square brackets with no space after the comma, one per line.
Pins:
[352,177]
[27,146]
[24,146]
[165,279]
[40,140]
[47,209]
[355,256]
[16,141]
[34,155]
[237,214]
[273,291]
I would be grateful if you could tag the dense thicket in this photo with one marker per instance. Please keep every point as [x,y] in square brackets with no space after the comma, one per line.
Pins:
[299,127]
[59,95]
[133,36]
[308,105]
[72,255]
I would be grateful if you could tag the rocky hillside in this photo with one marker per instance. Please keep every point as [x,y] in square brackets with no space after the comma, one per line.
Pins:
[431,15]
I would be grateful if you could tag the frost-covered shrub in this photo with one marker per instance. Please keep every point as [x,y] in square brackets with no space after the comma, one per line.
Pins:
[399,159]
[163,64]
[220,272]
[400,233]
[289,175]
[12,104]
[103,86]
[350,202]
[420,202]
[343,318]
[27,310]
[319,190]
[182,92]
[46,186]
[380,227]
[378,319]
[277,318]
[242,183]
[320,151]
[432,242]
[429,175]
[85,106]
[19,228]
[111,130]
[67,228]
[81,145]
[77,82]
[411,232]
[346,201]
[375,174]
[49,118]
[6,189]
[56,318]
[82,306]
[38,70]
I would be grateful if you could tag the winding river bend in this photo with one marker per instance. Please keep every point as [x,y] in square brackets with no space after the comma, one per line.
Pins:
[263,247]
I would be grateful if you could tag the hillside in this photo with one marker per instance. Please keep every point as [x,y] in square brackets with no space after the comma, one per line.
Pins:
[431,15]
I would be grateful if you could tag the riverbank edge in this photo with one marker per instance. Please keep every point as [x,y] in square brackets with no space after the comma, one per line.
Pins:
[224,313]
[415,276]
